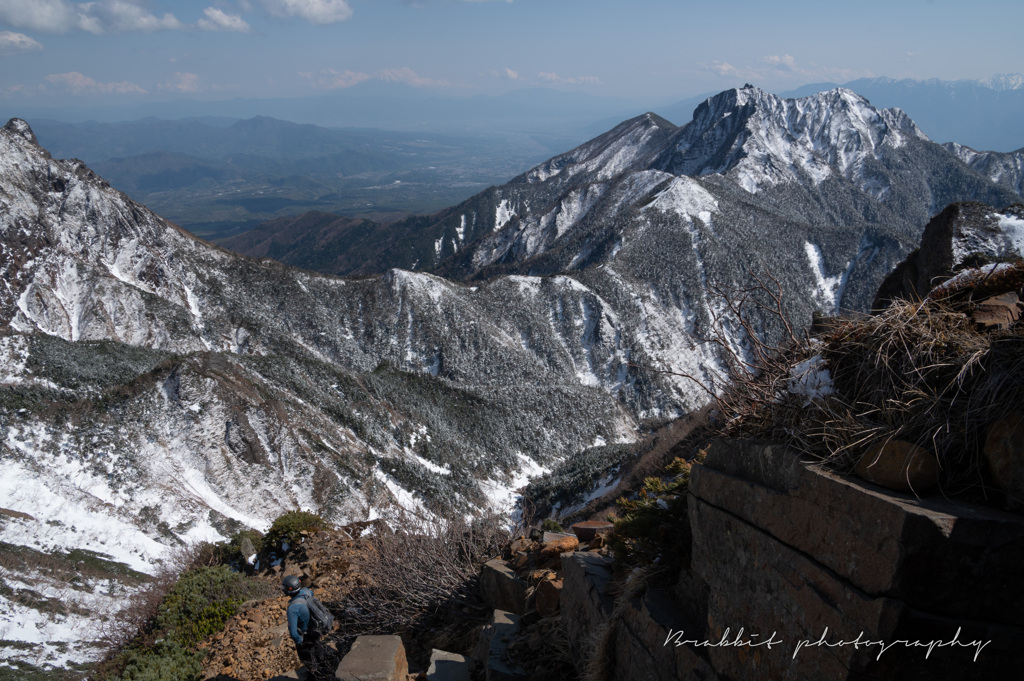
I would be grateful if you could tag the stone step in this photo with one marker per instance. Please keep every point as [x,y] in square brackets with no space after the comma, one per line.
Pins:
[494,640]
[445,666]
[374,658]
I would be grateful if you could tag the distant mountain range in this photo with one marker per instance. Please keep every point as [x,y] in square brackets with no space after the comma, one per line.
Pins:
[832,175]
[221,171]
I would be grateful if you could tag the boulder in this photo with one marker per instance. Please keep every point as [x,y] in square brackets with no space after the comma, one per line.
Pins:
[1004,452]
[646,644]
[585,601]
[589,529]
[374,658]
[546,597]
[963,235]
[521,544]
[955,559]
[501,589]
[997,312]
[549,554]
[549,537]
[899,465]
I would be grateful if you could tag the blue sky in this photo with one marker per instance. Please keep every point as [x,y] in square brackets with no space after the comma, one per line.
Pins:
[66,53]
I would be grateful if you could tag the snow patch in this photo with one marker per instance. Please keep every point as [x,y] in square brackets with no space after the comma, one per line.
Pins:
[503,214]
[828,289]
[502,496]
[687,198]
[810,379]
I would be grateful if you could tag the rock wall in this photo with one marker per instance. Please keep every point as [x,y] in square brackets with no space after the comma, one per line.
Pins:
[799,574]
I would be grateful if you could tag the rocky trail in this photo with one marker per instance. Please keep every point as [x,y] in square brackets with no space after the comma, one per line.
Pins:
[516,632]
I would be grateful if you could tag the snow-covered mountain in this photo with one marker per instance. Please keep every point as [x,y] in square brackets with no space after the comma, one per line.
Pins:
[984,113]
[156,389]
[825,191]
[832,179]
[1006,170]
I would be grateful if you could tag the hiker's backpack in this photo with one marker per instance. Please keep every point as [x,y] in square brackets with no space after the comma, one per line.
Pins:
[321,621]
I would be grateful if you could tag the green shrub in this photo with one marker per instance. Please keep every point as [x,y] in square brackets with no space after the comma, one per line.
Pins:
[198,605]
[654,523]
[551,525]
[202,601]
[165,661]
[286,529]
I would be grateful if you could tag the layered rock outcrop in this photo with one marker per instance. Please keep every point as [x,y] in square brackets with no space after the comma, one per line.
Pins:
[799,574]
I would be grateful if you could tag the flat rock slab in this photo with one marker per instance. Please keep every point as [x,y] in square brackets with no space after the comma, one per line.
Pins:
[589,529]
[445,666]
[374,658]
[555,536]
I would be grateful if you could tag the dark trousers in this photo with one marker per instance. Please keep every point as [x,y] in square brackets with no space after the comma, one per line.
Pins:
[315,656]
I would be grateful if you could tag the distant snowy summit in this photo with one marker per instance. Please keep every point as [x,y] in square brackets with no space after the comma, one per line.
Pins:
[984,114]
[762,139]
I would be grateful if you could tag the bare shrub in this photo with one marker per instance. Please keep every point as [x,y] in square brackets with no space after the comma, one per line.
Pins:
[423,577]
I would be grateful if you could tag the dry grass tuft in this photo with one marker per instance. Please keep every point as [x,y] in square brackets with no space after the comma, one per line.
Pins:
[919,371]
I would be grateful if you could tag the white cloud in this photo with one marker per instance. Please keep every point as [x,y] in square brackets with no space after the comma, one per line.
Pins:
[784,62]
[571,80]
[25,90]
[52,16]
[128,15]
[218,20]
[722,68]
[313,11]
[17,43]
[182,82]
[410,77]
[80,84]
[510,74]
[330,79]
[101,16]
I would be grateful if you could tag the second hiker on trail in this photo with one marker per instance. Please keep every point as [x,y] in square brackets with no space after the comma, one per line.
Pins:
[308,620]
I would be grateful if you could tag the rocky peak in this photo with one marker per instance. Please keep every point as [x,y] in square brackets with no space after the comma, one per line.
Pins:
[627,146]
[17,126]
[760,139]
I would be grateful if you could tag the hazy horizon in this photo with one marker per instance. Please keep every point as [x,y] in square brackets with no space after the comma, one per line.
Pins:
[65,55]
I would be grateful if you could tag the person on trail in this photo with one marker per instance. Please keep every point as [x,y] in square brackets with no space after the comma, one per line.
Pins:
[307,643]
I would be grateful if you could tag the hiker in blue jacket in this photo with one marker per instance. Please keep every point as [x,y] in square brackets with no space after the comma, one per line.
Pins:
[307,642]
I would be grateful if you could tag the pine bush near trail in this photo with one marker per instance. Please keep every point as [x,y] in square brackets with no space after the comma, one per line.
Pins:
[198,605]
[287,529]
